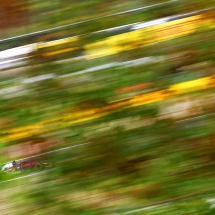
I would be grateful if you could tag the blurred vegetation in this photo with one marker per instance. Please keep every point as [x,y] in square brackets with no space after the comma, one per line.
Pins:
[135,157]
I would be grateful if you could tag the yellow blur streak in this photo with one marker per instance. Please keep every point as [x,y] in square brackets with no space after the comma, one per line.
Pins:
[81,116]
[46,54]
[190,86]
[58,42]
[148,36]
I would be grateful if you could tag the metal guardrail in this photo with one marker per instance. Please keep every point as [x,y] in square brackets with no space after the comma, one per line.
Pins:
[89,47]
[63,27]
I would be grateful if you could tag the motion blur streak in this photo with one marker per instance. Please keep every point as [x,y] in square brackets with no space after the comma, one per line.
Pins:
[107,107]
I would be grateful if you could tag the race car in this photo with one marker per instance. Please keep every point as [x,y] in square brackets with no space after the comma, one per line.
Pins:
[16,168]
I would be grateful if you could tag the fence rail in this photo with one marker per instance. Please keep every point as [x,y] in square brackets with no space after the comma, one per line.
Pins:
[24,36]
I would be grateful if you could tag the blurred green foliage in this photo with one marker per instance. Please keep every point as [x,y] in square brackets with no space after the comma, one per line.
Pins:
[135,156]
